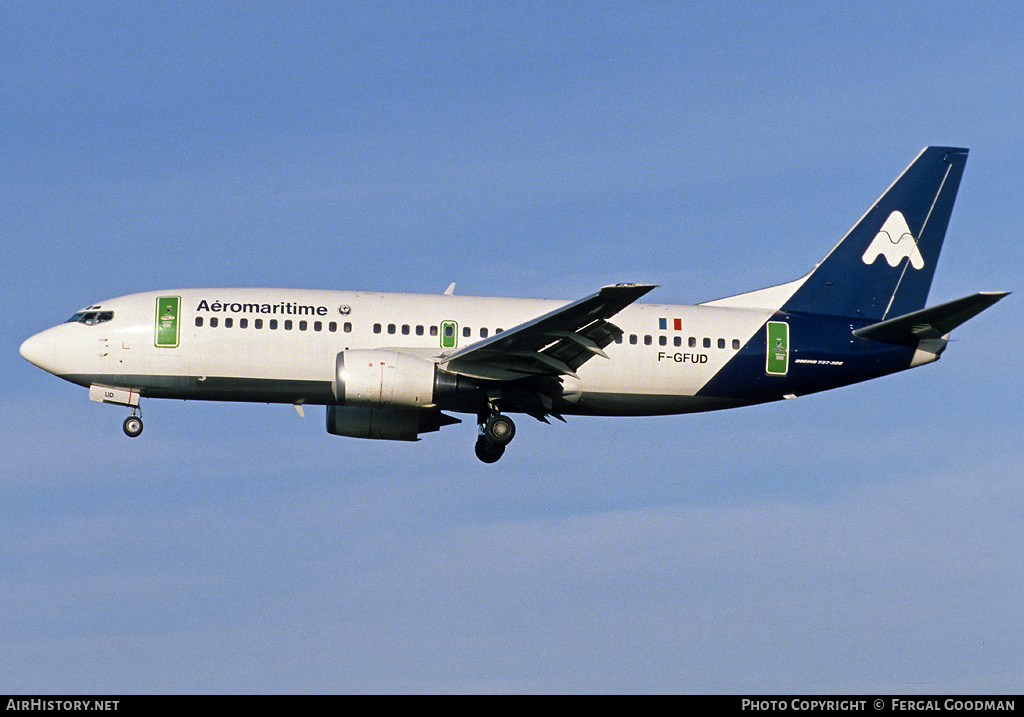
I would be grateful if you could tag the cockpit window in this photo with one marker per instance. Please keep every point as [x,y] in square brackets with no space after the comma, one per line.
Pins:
[91,317]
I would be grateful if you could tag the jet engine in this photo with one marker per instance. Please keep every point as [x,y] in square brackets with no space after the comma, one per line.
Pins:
[392,424]
[376,378]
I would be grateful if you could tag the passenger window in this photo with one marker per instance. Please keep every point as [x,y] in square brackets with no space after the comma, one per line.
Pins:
[618,339]
[213,321]
[662,341]
[376,328]
[303,325]
[677,341]
[483,333]
[721,343]
[466,332]
[199,321]
[347,327]
[648,340]
[632,339]
[318,326]
[692,343]
[228,322]
[405,329]
[287,324]
[257,323]
[433,331]
[273,324]
[735,343]
[392,328]
[707,343]
[419,330]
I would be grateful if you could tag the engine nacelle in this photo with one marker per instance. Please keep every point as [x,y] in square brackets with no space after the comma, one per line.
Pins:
[384,379]
[390,424]
[376,378]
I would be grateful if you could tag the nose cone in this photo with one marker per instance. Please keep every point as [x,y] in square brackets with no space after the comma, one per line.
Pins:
[41,351]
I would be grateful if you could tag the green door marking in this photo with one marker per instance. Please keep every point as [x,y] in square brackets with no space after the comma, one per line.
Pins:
[167,308]
[778,348]
[449,334]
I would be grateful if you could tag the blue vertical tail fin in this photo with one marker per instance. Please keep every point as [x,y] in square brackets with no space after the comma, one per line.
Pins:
[884,265]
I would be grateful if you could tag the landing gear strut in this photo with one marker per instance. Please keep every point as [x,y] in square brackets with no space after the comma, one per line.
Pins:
[496,431]
[132,426]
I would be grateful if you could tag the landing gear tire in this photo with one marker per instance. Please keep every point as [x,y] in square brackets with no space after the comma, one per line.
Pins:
[496,431]
[132,426]
[499,430]
[487,451]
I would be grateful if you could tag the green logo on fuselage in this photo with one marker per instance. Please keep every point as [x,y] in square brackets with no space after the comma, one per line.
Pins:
[167,309]
[449,334]
[777,362]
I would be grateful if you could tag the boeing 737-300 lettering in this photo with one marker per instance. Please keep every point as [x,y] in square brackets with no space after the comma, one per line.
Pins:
[389,366]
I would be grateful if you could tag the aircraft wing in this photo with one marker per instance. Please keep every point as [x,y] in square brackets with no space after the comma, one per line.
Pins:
[554,344]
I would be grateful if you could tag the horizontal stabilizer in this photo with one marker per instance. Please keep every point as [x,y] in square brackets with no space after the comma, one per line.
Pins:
[931,323]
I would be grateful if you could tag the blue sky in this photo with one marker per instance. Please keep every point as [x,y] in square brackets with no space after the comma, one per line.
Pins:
[867,539]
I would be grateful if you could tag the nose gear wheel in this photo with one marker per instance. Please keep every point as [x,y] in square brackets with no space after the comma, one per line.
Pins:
[132,426]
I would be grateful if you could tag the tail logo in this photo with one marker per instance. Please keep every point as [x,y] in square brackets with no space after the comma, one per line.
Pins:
[895,242]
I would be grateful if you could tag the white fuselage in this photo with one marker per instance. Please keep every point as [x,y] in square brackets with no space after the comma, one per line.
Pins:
[279,345]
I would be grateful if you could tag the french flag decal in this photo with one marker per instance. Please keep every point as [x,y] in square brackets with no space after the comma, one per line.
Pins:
[677,324]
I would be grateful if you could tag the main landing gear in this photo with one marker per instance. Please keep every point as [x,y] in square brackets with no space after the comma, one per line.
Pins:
[496,431]
[132,425]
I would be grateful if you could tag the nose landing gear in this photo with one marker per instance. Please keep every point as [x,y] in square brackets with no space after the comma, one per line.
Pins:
[496,431]
[132,426]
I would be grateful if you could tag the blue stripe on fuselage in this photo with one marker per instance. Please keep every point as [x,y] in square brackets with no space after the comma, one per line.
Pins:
[823,354]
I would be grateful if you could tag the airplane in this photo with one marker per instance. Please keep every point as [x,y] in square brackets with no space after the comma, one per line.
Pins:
[388,366]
